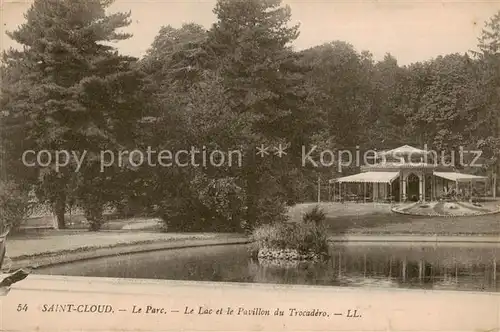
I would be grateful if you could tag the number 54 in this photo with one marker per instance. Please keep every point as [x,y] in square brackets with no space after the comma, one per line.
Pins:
[22,307]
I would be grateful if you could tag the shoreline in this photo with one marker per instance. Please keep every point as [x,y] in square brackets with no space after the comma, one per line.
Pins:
[414,238]
[46,259]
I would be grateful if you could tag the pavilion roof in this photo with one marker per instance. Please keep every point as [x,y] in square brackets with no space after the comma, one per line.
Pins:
[455,176]
[399,165]
[404,150]
[368,177]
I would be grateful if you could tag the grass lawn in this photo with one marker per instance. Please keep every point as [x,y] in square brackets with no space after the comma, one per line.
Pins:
[373,218]
[403,224]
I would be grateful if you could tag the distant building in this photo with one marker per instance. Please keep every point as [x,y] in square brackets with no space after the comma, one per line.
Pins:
[405,174]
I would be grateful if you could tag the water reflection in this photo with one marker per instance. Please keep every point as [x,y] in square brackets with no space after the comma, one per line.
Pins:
[396,266]
[408,267]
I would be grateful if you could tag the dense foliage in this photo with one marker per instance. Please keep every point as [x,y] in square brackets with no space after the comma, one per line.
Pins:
[15,205]
[234,86]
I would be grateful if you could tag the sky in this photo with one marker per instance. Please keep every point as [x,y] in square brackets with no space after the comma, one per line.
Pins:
[411,30]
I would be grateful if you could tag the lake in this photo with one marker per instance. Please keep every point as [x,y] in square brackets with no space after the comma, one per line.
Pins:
[420,266]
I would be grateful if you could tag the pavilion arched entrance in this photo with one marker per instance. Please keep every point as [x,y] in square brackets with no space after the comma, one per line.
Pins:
[413,187]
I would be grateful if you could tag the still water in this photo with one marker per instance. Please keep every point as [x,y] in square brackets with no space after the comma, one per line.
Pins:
[472,268]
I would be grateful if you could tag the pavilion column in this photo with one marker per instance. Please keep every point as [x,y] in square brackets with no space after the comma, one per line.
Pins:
[390,268]
[403,268]
[421,188]
[393,197]
[364,265]
[424,187]
[420,270]
[403,188]
[433,187]
[364,192]
[494,269]
[340,265]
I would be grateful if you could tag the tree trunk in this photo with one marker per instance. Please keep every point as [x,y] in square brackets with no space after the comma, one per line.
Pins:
[497,170]
[251,192]
[60,210]
[494,187]
[251,199]
[95,218]
[95,222]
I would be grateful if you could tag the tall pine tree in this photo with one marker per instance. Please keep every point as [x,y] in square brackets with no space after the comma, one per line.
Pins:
[73,92]
[264,85]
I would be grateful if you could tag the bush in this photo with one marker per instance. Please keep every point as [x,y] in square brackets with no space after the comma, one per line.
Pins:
[316,216]
[202,204]
[93,212]
[15,206]
[303,237]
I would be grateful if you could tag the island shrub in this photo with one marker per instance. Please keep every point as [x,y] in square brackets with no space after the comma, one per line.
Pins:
[305,238]
[316,216]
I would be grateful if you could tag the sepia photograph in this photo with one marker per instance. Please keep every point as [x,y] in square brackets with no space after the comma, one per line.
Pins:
[273,154]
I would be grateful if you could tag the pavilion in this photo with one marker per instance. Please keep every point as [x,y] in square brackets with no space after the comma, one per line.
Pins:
[404,174]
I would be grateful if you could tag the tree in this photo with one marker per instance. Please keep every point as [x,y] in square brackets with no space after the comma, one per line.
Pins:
[489,86]
[263,81]
[234,87]
[74,92]
[388,120]
[340,82]
[443,113]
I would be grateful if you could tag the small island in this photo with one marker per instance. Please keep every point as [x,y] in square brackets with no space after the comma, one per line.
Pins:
[292,241]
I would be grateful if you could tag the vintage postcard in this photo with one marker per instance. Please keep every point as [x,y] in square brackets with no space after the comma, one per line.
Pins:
[249,165]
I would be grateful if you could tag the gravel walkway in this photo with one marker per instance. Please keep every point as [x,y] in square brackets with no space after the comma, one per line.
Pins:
[53,242]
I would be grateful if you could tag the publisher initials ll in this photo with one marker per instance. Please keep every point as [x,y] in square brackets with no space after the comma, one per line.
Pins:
[353,314]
